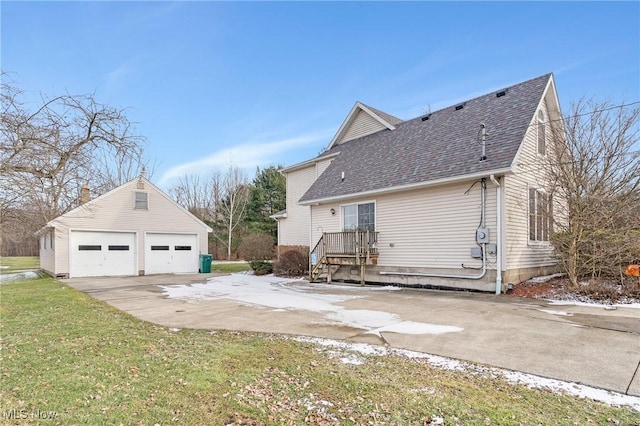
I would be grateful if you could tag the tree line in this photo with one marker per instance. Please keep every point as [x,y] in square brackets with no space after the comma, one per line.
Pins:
[238,210]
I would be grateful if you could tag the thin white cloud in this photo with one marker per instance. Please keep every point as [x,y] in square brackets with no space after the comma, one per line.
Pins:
[246,156]
[115,75]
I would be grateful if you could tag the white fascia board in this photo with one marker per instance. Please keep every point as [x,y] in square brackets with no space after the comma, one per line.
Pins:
[172,201]
[550,87]
[307,163]
[350,117]
[44,229]
[381,120]
[278,216]
[419,185]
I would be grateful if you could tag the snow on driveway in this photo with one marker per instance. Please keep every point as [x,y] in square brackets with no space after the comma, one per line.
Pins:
[290,294]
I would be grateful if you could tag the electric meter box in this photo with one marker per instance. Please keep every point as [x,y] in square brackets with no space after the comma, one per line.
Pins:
[482,236]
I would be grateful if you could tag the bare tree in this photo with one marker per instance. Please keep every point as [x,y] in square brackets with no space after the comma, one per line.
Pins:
[198,195]
[220,200]
[233,203]
[48,152]
[597,175]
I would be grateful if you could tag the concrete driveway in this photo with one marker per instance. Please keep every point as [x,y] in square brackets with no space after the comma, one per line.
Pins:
[595,346]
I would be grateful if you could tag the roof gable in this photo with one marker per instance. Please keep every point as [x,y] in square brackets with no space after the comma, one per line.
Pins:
[439,146]
[139,183]
[363,120]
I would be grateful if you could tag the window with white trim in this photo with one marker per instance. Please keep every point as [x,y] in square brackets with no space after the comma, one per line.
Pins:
[540,215]
[359,216]
[541,137]
[141,201]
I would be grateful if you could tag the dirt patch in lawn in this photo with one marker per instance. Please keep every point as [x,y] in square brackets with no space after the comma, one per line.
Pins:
[557,287]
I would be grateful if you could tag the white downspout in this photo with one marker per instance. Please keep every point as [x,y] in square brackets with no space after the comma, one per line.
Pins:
[498,234]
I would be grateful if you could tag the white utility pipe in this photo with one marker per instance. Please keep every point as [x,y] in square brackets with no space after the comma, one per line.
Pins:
[498,234]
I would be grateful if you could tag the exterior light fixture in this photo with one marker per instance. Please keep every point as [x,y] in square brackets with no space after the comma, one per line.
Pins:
[333,212]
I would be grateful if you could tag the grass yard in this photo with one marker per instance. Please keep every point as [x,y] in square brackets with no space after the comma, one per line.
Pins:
[10,264]
[67,353]
[230,267]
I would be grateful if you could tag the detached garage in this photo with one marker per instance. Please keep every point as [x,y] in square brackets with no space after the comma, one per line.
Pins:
[135,229]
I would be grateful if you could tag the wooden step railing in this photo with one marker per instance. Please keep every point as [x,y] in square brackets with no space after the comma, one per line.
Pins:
[317,260]
[353,244]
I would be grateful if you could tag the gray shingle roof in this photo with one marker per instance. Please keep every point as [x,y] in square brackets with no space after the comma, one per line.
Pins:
[442,147]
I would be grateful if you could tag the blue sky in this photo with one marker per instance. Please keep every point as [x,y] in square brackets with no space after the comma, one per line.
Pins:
[262,83]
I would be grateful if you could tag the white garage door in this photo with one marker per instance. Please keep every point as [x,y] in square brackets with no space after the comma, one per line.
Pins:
[97,254]
[171,253]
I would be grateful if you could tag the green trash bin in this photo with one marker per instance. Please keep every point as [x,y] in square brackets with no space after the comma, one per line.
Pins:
[205,263]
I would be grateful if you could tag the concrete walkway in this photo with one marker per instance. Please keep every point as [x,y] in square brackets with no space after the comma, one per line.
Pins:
[595,346]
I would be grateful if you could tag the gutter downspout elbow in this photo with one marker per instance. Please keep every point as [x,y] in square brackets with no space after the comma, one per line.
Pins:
[498,234]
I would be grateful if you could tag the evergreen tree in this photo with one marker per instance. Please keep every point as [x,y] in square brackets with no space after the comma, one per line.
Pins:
[267,197]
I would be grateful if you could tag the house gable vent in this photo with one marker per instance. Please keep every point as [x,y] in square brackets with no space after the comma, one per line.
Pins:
[501,93]
[459,107]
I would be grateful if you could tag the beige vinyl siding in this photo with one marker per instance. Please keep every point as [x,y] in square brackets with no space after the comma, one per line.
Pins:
[294,229]
[529,173]
[323,221]
[321,166]
[363,124]
[430,228]
[47,252]
[433,227]
[115,212]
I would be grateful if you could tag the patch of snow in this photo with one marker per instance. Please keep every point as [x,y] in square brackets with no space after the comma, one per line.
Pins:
[411,327]
[434,360]
[544,278]
[559,313]
[362,318]
[3,267]
[592,305]
[18,276]
[352,359]
[574,389]
[385,288]
[269,291]
[529,380]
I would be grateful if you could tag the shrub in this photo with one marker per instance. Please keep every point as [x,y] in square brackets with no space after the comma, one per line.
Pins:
[261,267]
[258,246]
[601,254]
[292,263]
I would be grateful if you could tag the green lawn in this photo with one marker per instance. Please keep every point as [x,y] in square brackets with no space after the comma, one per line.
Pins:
[63,351]
[18,263]
[230,267]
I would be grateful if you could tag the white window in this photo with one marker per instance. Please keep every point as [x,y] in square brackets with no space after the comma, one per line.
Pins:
[542,140]
[52,239]
[540,215]
[141,201]
[359,216]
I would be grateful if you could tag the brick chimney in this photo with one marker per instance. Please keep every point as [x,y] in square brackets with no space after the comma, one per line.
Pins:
[85,194]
